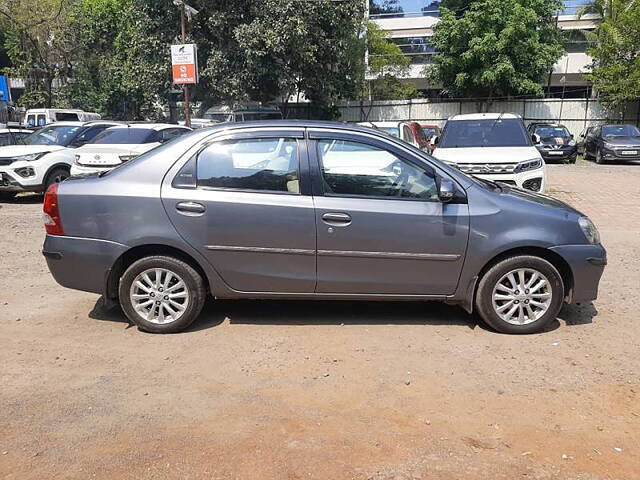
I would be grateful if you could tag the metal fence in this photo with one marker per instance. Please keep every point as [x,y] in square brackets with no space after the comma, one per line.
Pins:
[575,114]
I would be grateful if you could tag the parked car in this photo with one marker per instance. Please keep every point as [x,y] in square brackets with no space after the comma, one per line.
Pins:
[554,142]
[13,136]
[430,132]
[314,210]
[39,117]
[410,132]
[44,157]
[581,139]
[122,143]
[612,142]
[240,113]
[492,146]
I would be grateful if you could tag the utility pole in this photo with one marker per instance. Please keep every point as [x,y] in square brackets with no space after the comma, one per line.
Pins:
[187,93]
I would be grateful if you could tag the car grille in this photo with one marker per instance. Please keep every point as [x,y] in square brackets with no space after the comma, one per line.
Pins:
[6,161]
[487,168]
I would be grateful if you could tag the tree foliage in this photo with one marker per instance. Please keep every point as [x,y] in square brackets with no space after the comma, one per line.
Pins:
[41,44]
[616,52]
[261,50]
[386,66]
[496,48]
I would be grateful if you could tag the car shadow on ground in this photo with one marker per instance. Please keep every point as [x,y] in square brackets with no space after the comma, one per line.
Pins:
[326,312]
[310,313]
[25,199]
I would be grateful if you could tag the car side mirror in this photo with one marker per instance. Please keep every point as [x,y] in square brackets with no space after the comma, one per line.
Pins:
[446,190]
[571,136]
[536,138]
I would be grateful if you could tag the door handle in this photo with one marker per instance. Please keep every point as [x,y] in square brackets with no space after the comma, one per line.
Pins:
[190,208]
[339,219]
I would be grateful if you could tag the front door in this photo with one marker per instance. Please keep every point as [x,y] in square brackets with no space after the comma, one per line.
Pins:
[381,227]
[248,212]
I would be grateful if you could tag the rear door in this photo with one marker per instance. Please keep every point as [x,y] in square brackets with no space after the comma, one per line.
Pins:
[244,201]
[381,227]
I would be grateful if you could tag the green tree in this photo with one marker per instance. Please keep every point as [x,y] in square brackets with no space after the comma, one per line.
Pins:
[616,52]
[386,67]
[496,48]
[41,43]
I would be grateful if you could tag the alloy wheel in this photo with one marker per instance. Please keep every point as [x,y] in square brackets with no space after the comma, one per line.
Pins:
[159,296]
[522,296]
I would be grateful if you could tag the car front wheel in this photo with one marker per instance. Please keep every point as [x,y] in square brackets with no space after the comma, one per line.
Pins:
[599,158]
[162,294]
[56,176]
[520,294]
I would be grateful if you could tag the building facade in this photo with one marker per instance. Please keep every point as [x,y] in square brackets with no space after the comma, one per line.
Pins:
[410,24]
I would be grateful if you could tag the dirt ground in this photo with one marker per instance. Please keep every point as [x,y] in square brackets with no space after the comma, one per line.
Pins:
[323,390]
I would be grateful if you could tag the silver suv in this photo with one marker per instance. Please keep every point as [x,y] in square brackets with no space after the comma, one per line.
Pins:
[308,210]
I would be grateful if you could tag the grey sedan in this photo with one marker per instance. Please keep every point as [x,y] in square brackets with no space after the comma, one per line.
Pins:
[314,210]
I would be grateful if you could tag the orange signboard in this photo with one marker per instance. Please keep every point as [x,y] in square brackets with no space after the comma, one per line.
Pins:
[184,64]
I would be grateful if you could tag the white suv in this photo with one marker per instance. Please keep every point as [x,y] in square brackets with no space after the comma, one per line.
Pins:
[493,146]
[44,157]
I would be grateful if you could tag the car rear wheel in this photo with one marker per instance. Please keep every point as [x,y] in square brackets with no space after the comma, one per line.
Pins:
[57,175]
[520,294]
[162,294]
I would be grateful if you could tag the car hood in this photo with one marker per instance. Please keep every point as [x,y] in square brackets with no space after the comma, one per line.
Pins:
[538,198]
[623,141]
[19,150]
[486,154]
[553,141]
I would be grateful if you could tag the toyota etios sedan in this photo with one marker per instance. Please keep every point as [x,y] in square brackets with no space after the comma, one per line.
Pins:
[305,210]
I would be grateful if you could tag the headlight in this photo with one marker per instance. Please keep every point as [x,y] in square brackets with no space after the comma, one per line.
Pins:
[572,143]
[532,164]
[590,231]
[31,157]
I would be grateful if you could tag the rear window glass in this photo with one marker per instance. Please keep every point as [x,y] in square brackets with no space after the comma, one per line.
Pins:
[115,136]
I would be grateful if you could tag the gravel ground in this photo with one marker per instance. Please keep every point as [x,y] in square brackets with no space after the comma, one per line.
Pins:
[325,390]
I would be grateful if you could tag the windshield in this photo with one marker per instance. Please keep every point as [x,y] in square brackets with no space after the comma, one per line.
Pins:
[547,133]
[217,117]
[54,135]
[620,131]
[126,136]
[484,133]
[395,131]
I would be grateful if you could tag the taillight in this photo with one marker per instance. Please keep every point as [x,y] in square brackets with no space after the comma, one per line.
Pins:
[52,220]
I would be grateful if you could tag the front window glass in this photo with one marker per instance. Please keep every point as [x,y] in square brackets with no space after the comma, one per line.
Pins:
[53,135]
[620,131]
[127,136]
[395,131]
[358,169]
[549,133]
[484,133]
[269,164]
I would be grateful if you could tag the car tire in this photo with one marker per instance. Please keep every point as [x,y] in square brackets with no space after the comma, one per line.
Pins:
[7,195]
[56,175]
[599,159]
[163,276]
[542,301]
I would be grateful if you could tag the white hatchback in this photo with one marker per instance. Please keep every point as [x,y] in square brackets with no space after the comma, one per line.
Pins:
[492,146]
[120,144]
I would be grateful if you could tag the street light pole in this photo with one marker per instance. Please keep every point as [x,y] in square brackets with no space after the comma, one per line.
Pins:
[187,93]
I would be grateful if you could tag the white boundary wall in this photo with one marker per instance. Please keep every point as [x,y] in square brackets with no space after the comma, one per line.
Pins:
[575,114]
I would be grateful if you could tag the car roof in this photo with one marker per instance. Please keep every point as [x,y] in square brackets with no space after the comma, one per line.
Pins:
[387,124]
[148,126]
[71,123]
[484,116]
[15,130]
